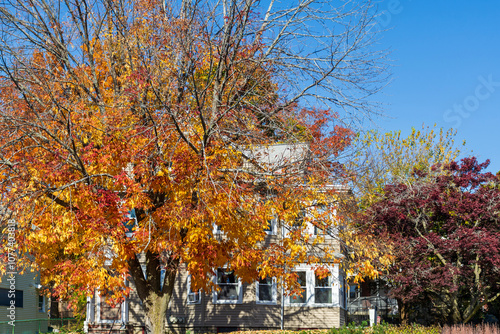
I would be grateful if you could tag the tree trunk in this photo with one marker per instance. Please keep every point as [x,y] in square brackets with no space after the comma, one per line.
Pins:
[54,307]
[156,312]
[154,292]
[456,317]
[403,312]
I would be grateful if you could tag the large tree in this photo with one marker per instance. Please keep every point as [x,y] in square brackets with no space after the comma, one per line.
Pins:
[170,111]
[445,230]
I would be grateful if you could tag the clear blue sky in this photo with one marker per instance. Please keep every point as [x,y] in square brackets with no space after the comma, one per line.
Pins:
[446,57]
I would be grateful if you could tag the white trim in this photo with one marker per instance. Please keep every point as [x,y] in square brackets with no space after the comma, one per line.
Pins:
[90,314]
[310,288]
[274,294]
[239,292]
[98,301]
[189,292]
[274,223]
[43,309]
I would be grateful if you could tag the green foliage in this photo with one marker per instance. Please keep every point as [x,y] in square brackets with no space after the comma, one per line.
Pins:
[382,328]
[388,158]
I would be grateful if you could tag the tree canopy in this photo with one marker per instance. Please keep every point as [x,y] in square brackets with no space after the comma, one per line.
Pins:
[390,158]
[445,230]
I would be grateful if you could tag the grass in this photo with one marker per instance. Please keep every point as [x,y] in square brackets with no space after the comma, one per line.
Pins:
[390,329]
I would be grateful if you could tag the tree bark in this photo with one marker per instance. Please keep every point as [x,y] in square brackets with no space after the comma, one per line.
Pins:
[403,312]
[155,297]
[156,306]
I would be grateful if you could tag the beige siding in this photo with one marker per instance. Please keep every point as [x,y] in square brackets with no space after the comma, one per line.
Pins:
[248,314]
[29,311]
[208,316]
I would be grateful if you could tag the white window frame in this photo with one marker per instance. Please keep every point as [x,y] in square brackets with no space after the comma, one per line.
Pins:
[273,225]
[310,288]
[239,292]
[191,293]
[329,287]
[44,301]
[123,311]
[274,293]
[330,232]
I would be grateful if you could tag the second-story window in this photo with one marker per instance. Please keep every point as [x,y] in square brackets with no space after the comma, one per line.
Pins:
[271,227]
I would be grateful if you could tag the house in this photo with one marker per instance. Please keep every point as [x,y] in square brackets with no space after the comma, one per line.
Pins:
[22,308]
[260,305]
[263,304]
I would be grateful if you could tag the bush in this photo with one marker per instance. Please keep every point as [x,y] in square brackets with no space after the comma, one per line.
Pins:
[470,329]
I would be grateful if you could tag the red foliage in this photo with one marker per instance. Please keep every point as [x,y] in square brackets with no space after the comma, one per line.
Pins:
[446,233]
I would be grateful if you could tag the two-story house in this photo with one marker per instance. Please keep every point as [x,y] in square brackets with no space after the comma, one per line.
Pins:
[263,304]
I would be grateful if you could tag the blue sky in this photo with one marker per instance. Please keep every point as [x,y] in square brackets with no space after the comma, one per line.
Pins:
[446,70]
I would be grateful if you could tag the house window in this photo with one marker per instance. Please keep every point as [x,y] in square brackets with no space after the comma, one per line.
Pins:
[271,227]
[266,291]
[353,291]
[322,222]
[11,297]
[315,290]
[193,296]
[323,289]
[131,223]
[229,287]
[162,277]
[301,297]
[322,230]
[41,303]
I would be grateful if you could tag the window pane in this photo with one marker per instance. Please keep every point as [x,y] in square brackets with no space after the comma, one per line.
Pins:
[41,304]
[323,282]
[228,292]
[265,292]
[301,278]
[323,295]
[323,290]
[6,296]
[299,299]
[302,298]
[225,276]
[352,291]
[269,227]
[193,297]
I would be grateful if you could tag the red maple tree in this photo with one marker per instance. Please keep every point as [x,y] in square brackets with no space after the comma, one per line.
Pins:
[445,229]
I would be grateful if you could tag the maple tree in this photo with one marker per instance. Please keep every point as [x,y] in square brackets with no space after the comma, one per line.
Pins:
[445,229]
[112,108]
